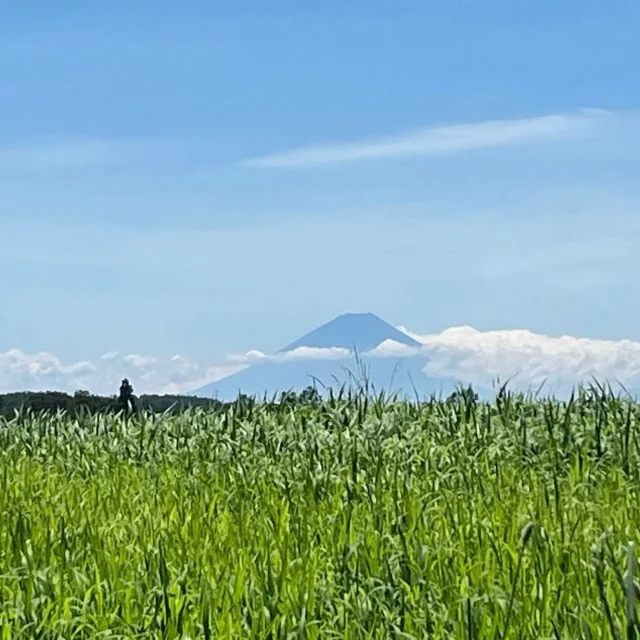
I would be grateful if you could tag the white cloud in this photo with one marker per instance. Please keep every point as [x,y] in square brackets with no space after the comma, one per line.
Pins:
[393,349]
[313,353]
[44,371]
[530,358]
[301,353]
[249,357]
[440,140]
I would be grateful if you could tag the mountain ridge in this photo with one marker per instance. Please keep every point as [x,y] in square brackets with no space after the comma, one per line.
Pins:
[358,332]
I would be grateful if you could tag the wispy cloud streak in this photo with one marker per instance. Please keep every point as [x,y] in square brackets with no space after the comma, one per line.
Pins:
[441,140]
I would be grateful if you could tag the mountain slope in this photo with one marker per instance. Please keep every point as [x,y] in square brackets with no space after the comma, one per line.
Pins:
[354,331]
[405,376]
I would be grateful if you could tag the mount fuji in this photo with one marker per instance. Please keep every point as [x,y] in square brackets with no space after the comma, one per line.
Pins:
[341,352]
[359,332]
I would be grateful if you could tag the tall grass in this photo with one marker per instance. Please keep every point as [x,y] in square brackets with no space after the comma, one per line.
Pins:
[357,518]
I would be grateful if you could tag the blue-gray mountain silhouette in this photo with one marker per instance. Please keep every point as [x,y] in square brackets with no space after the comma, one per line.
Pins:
[354,331]
[357,332]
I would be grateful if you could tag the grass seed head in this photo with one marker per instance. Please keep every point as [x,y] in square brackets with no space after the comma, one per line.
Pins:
[525,534]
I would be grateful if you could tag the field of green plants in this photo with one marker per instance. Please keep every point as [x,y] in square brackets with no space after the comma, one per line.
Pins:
[355,517]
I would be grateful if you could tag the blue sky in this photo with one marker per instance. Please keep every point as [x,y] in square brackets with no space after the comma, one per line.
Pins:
[227,176]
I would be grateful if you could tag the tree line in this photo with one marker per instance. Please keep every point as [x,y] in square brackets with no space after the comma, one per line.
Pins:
[125,400]
[83,401]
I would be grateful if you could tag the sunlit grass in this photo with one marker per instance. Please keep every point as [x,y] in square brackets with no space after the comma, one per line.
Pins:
[355,518]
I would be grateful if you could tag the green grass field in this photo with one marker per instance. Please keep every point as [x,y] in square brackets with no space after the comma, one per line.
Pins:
[356,518]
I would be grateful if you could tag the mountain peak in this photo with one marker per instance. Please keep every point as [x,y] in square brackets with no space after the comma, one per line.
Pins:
[359,331]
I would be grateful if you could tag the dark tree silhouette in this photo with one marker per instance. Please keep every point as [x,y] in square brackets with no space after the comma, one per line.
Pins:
[126,397]
[310,396]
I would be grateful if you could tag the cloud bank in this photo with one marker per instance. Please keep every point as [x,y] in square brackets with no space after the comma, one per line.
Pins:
[528,358]
[149,374]
[440,140]
[464,353]
[301,353]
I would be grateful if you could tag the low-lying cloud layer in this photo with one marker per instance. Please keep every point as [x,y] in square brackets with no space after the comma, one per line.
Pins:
[149,374]
[529,358]
[301,353]
[471,356]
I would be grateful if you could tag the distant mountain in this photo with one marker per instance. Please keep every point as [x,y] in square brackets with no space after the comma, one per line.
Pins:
[405,376]
[357,332]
